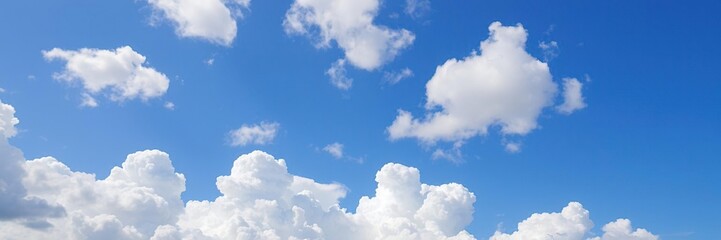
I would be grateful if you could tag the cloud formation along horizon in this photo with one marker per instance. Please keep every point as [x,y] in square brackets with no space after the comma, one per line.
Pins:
[260,199]
[502,85]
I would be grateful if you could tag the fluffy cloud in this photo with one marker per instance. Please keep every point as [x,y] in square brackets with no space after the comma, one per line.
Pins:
[211,20]
[572,223]
[260,134]
[15,203]
[501,86]
[621,230]
[350,24]
[335,149]
[572,97]
[260,199]
[120,71]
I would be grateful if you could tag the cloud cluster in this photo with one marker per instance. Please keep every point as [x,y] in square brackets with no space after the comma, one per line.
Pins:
[211,20]
[501,86]
[15,203]
[260,134]
[260,199]
[121,71]
[349,23]
[572,223]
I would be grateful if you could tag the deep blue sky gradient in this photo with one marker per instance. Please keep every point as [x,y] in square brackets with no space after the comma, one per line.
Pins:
[646,148]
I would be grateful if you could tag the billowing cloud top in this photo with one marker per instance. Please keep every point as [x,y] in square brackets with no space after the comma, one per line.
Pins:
[503,86]
[141,199]
[211,20]
[350,24]
[121,71]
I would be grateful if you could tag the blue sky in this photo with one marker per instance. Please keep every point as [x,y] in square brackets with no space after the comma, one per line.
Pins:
[645,146]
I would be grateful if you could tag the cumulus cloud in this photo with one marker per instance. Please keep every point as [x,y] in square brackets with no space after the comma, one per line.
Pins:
[338,77]
[334,149]
[211,20]
[501,86]
[621,230]
[260,134]
[348,23]
[15,203]
[395,77]
[572,96]
[140,199]
[572,223]
[261,200]
[120,71]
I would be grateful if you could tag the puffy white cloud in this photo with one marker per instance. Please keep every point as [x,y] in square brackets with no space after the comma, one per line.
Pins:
[338,77]
[15,203]
[621,230]
[262,200]
[572,223]
[417,8]
[121,71]
[211,20]
[350,24]
[334,149]
[7,121]
[395,77]
[130,203]
[503,86]
[260,134]
[572,96]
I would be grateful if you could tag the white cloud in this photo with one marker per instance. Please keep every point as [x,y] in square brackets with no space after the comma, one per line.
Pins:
[513,147]
[572,223]
[169,105]
[337,74]
[120,71]
[260,134]
[550,50]
[395,77]
[211,20]
[350,24]
[417,8]
[335,149]
[572,96]
[621,230]
[88,101]
[501,86]
[2,90]
[15,203]
[260,199]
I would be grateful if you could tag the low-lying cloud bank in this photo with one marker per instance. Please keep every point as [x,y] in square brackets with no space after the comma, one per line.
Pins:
[260,199]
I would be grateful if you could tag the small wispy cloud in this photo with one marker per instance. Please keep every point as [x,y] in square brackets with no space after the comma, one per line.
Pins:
[260,134]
